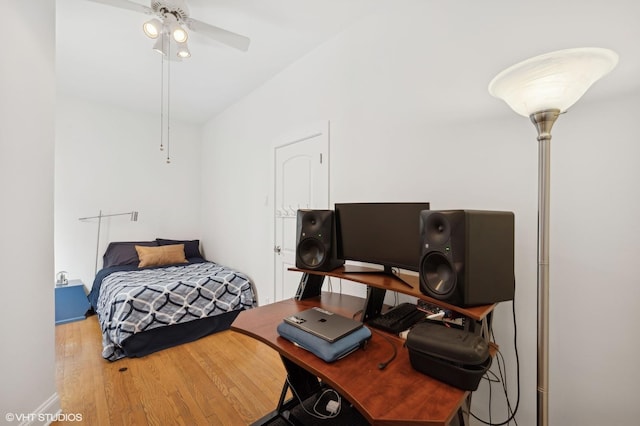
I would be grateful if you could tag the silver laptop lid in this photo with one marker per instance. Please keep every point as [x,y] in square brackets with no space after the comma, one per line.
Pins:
[324,324]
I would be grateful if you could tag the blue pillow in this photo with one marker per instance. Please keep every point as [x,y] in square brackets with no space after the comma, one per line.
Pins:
[124,253]
[191,247]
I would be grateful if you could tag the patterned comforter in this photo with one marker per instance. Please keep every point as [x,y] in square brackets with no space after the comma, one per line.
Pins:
[134,301]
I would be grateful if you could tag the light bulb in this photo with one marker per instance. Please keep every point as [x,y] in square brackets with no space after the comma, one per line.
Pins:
[183,51]
[152,28]
[175,30]
[179,34]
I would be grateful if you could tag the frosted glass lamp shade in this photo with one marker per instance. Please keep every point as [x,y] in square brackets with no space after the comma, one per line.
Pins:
[554,80]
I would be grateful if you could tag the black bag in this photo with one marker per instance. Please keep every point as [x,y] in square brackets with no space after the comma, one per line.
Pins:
[451,355]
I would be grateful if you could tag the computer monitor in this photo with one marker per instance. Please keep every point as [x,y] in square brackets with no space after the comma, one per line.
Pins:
[386,234]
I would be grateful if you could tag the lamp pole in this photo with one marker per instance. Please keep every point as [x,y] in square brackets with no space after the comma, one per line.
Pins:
[95,271]
[543,121]
[133,217]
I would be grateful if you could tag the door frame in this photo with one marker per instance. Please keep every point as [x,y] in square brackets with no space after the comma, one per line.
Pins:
[294,135]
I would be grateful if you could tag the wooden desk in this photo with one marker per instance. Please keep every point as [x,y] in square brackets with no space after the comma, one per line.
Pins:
[397,395]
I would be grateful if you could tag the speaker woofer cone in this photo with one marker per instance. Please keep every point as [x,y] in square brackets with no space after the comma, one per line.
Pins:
[312,253]
[438,277]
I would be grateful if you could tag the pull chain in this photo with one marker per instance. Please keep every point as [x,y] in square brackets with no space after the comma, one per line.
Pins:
[168,98]
[161,99]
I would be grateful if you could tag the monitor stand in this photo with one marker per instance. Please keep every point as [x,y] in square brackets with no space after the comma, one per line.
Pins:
[388,270]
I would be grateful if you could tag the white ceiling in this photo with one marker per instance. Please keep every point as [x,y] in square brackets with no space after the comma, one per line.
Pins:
[102,54]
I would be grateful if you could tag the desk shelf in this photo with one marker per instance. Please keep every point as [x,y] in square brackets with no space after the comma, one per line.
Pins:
[368,276]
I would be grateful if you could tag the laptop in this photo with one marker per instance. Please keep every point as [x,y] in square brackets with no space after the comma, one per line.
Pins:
[324,324]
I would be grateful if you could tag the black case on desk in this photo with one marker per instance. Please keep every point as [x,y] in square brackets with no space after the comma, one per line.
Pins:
[453,356]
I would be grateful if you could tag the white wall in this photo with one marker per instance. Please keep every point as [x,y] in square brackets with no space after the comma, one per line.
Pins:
[27,85]
[109,159]
[391,141]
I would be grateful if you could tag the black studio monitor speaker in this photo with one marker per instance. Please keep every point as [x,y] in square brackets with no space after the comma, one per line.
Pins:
[316,240]
[467,256]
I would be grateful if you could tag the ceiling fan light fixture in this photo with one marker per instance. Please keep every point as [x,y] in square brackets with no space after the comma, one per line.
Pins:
[179,34]
[160,45]
[183,51]
[152,28]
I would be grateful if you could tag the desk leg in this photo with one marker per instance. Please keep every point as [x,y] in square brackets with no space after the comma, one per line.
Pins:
[310,286]
[373,304]
[283,406]
[463,412]
[304,383]
[481,327]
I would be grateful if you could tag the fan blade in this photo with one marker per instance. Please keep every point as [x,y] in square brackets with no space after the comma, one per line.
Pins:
[126,4]
[229,38]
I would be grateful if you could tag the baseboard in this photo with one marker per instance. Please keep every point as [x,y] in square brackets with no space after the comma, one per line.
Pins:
[46,413]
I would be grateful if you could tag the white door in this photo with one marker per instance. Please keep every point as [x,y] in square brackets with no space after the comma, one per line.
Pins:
[301,182]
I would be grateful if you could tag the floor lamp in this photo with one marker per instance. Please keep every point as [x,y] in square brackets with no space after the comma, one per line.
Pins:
[133,217]
[542,88]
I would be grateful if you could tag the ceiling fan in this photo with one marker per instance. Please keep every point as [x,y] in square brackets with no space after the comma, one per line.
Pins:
[171,16]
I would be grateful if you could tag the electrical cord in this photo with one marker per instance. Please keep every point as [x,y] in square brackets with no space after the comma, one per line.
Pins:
[512,413]
[382,365]
[503,379]
[315,412]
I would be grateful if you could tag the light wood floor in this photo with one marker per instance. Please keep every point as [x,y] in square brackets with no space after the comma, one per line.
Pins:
[223,379]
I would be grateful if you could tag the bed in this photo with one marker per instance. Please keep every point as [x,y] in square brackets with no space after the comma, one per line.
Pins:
[152,295]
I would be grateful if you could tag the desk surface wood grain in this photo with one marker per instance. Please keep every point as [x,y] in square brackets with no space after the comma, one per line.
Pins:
[396,395]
